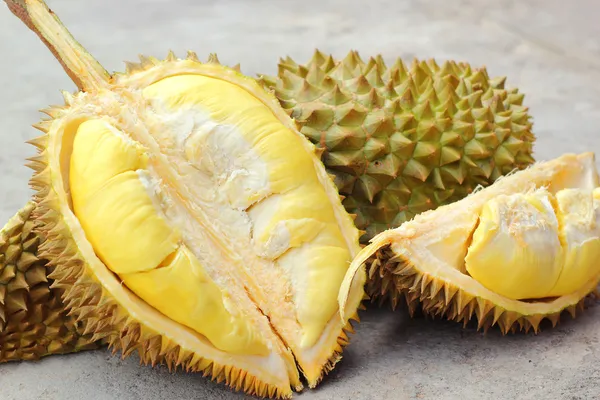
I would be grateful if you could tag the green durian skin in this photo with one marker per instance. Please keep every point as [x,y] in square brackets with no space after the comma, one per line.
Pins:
[404,139]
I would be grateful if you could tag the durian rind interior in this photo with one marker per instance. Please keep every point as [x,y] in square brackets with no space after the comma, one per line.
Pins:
[524,246]
[203,213]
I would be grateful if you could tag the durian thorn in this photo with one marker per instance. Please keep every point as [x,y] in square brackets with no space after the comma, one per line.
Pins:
[85,71]
[132,67]
[171,56]
[68,97]
[53,111]
[213,59]
[42,126]
[191,55]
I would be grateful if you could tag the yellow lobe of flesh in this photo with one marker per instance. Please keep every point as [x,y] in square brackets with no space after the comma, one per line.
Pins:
[210,317]
[516,250]
[127,232]
[579,213]
[109,189]
[315,256]
[537,245]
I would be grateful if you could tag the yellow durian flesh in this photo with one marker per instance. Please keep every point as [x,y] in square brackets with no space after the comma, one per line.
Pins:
[463,260]
[516,250]
[579,212]
[536,245]
[254,162]
[148,255]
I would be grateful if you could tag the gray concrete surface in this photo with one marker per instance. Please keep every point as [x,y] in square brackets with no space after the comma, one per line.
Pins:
[550,49]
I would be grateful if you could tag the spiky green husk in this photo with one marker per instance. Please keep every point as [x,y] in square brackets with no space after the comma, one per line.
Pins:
[405,139]
[33,320]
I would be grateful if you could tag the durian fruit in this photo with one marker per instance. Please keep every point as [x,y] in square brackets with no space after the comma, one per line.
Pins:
[187,219]
[405,139]
[522,250]
[33,321]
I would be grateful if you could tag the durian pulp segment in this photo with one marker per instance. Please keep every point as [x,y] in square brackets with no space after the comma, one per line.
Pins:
[133,238]
[263,194]
[579,212]
[537,245]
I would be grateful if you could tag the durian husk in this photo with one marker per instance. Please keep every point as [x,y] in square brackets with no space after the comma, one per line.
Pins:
[105,310]
[400,269]
[100,315]
[33,320]
[405,138]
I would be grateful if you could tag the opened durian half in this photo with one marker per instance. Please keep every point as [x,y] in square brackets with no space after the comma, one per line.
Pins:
[33,320]
[515,253]
[405,138]
[187,219]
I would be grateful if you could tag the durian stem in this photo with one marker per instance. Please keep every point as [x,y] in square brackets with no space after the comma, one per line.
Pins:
[84,70]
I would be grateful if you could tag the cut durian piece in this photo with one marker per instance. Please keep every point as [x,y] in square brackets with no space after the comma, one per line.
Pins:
[514,253]
[190,221]
[33,320]
[408,137]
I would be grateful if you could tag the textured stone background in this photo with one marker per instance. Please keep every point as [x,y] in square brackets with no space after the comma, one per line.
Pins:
[549,49]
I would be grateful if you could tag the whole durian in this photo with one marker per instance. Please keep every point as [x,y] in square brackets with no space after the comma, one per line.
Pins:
[522,250]
[404,139]
[33,320]
[187,219]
